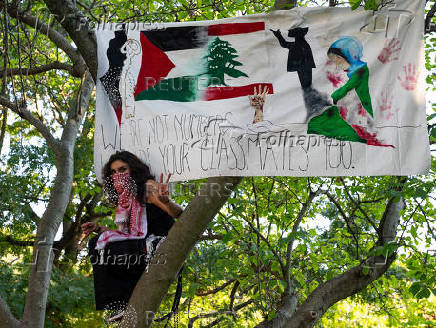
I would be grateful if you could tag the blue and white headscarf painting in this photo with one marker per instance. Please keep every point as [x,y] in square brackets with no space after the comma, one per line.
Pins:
[351,50]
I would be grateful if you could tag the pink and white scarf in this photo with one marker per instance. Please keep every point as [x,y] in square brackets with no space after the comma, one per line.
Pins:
[127,206]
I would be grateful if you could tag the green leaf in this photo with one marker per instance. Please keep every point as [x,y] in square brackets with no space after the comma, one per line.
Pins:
[421,192]
[415,288]
[272,315]
[355,4]
[282,285]
[275,267]
[413,231]
[431,116]
[365,270]
[227,237]
[371,5]
[423,293]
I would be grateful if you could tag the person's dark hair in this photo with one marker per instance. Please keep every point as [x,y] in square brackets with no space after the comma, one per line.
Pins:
[338,52]
[139,172]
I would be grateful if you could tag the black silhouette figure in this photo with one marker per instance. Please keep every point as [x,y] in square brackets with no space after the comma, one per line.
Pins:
[111,79]
[300,58]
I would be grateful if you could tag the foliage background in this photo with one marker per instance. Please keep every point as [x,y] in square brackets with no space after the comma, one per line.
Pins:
[233,276]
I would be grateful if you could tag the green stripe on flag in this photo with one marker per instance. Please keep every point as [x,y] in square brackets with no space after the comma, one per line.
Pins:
[182,89]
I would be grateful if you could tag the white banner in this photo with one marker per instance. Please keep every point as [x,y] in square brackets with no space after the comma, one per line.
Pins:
[303,92]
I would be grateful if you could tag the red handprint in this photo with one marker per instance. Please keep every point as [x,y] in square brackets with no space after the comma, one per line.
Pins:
[411,77]
[390,51]
[385,105]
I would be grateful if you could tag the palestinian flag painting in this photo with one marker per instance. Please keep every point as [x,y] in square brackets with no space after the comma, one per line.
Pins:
[215,60]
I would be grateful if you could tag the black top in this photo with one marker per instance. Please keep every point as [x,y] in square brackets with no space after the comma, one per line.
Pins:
[159,222]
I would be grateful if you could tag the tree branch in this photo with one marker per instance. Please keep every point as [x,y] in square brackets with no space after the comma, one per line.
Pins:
[353,280]
[52,142]
[357,204]
[289,300]
[12,241]
[215,290]
[216,313]
[387,229]
[57,38]
[347,221]
[211,237]
[429,18]
[40,69]
[259,234]
[4,112]
[336,289]
[237,308]
[426,220]
[78,108]
[7,320]
[77,26]
[88,9]
[350,282]
[233,293]
[291,235]
[284,312]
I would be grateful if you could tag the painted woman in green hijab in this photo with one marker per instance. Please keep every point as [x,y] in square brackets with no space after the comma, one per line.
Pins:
[351,116]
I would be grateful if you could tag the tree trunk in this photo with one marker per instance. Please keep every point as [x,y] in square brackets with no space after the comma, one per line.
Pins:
[39,280]
[154,284]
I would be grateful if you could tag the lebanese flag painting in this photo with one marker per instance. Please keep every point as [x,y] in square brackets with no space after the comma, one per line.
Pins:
[300,92]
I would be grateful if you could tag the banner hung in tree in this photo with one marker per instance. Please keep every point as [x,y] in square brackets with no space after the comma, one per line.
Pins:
[303,92]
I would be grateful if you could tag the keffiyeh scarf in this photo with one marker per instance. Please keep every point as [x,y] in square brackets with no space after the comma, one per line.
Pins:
[128,207]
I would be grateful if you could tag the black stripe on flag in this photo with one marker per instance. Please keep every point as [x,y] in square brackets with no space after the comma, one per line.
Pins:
[178,38]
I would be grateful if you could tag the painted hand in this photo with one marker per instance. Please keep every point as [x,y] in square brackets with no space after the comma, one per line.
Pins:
[256,101]
[410,77]
[390,51]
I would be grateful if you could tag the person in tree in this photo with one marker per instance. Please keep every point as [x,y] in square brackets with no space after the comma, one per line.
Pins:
[144,215]
[300,58]
[352,100]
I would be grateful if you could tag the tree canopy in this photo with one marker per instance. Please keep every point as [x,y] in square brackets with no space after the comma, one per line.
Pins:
[269,252]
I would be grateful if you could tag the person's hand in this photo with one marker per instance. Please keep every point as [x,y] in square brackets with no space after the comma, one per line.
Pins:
[158,191]
[89,227]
